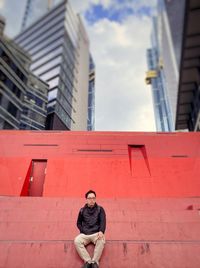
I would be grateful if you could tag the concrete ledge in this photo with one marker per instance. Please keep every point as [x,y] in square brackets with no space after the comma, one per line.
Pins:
[120,254]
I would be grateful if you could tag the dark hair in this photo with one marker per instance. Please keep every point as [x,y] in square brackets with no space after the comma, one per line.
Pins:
[90,192]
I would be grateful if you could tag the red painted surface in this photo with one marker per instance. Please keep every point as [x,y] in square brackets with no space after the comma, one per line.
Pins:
[116,164]
[148,184]
[25,187]
[150,232]
[37,178]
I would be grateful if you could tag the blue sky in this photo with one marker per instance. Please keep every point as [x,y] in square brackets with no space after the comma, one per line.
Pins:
[98,12]
[119,33]
[116,13]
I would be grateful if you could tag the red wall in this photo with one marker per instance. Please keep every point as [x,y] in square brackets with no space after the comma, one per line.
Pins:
[115,164]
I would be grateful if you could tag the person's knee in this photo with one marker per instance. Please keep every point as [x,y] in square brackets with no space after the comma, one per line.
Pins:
[101,241]
[77,240]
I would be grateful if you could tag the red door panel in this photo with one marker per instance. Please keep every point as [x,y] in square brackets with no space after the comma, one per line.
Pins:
[37,177]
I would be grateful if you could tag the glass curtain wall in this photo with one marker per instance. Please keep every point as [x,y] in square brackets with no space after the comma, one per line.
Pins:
[52,43]
[162,112]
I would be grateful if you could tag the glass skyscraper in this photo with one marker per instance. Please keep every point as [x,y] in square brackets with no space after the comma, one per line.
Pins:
[156,77]
[166,46]
[91,96]
[171,21]
[35,9]
[59,49]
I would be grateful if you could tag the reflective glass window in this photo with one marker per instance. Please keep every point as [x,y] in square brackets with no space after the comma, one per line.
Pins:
[47,66]
[90,99]
[47,57]
[92,66]
[63,115]
[53,82]
[34,99]
[13,66]
[12,109]
[69,49]
[39,28]
[53,31]
[52,94]
[34,116]
[66,92]
[47,49]
[10,85]
[91,86]
[65,104]
[68,67]
[70,32]
[157,96]
[51,106]
[39,46]
[50,74]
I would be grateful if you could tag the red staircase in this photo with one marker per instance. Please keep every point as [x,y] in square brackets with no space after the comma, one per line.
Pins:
[155,232]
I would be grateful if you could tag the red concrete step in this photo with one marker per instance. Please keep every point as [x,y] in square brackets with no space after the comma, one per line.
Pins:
[55,219]
[117,254]
[184,203]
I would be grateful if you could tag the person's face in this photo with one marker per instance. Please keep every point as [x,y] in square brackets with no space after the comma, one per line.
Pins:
[91,199]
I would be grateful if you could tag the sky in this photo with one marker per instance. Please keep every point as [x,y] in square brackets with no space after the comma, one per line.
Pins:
[119,33]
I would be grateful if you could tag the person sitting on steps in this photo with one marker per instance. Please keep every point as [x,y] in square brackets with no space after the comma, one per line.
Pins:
[91,223]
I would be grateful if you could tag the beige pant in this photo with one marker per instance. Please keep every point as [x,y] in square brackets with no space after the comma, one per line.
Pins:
[83,240]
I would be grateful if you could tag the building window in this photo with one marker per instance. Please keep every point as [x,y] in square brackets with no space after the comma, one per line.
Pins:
[13,67]
[7,125]
[34,99]
[2,76]
[10,85]
[12,109]
[52,94]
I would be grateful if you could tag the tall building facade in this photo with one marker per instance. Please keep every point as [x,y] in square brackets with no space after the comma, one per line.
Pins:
[188,104]
[167,40]
[59,49]
[171,21]
[15,78]
[36,9]
[91,96]
[34,112]
[156,77]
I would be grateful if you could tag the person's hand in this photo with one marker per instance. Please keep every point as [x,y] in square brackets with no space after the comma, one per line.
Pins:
[100,235]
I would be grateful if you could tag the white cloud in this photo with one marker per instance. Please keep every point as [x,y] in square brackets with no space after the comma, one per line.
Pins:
[123,101]
[114,5]
[135,4]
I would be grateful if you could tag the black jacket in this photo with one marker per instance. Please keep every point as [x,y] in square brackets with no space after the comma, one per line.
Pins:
[91,220]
